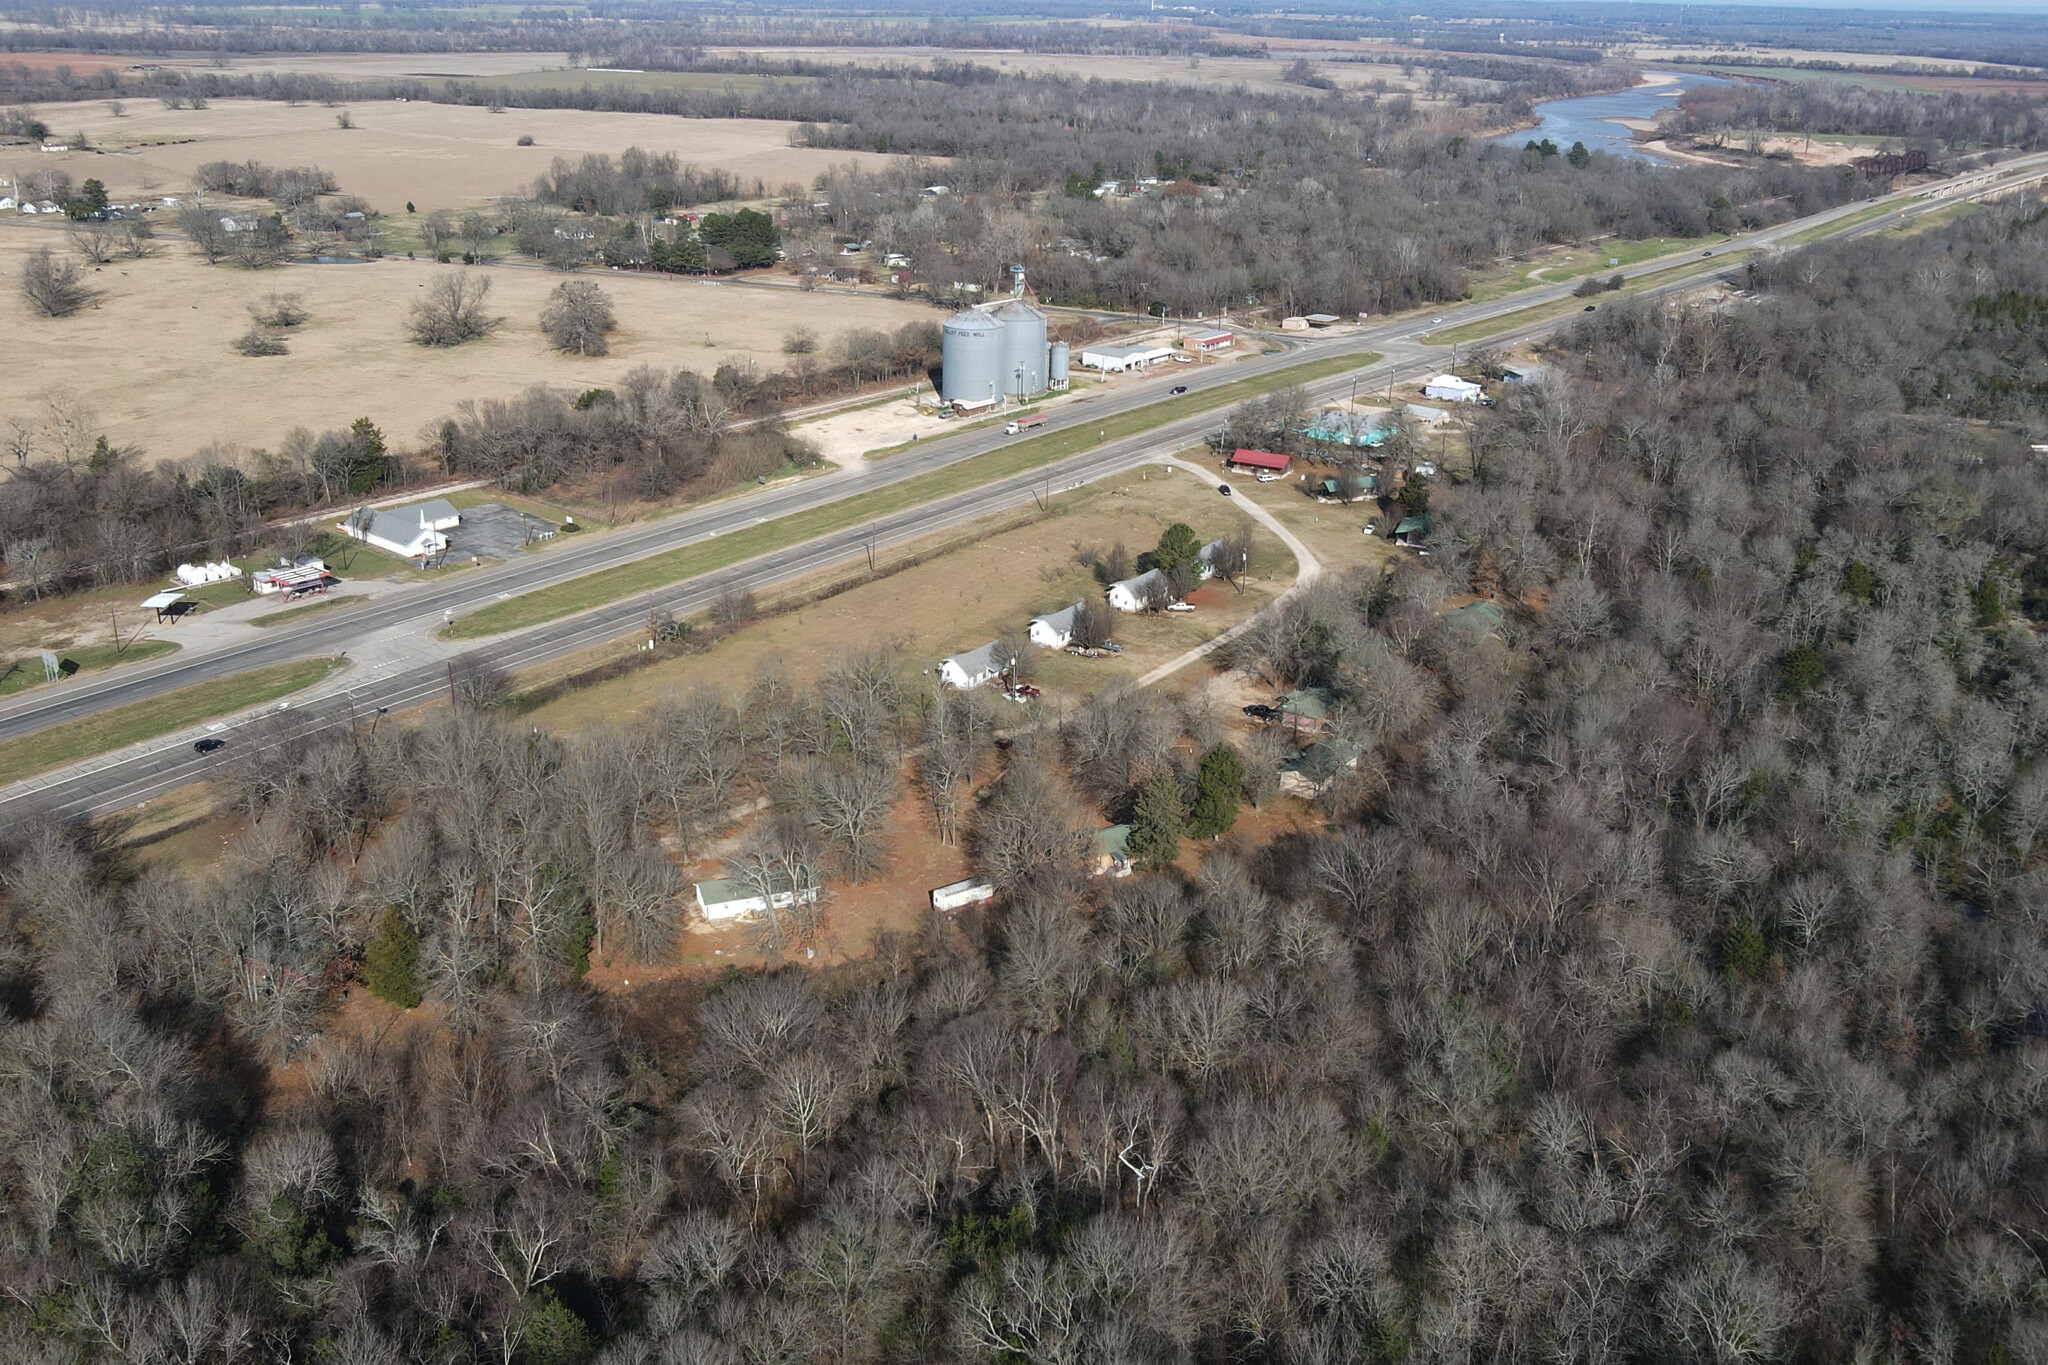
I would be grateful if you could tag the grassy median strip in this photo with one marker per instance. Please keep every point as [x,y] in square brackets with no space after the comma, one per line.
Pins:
[27,671]
[1842,224]
[672,566]
[77,739]
[1572,303]
[292,615]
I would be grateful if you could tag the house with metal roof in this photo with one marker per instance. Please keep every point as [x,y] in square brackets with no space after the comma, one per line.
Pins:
[1310,770]
[1411,531]
[1136,594]
[1055,629]
[411,532]
[972,668]
[1242,458]
[1110,852]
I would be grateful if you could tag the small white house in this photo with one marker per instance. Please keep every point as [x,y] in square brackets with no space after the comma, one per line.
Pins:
[724,898]
[971,669]
[1451,389]
[1132,594]
[1211,560]
[412,532]
[1055,629]
[1117,359]
[7,201]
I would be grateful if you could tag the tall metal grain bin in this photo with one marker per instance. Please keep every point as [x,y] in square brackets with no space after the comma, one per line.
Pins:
[970,359]
[1023,349]
[1061,360]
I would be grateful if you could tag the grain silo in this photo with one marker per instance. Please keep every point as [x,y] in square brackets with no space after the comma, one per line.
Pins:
[1061,362]
[971,360]
[1023,348]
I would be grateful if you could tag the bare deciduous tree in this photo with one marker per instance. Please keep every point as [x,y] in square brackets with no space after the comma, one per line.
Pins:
[577,317]
[53,286]
[452,311]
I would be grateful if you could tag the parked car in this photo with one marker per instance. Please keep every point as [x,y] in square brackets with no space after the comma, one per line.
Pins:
[1592,307]
[1026,689]
[207,746]
[1111,647]
[1180,606]
[1260,711]
[1224,489]
[1270,477]
[1177,390]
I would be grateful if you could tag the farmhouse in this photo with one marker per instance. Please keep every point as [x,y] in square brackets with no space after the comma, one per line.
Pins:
[412,532]
[1137,594]
[1451,389]
[1055,629]
[971,669]
[724,898]
[1117,359]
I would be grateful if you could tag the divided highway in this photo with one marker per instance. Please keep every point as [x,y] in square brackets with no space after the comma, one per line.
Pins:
[112,782]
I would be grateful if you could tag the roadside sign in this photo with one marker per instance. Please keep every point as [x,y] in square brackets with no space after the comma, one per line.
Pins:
[50,668]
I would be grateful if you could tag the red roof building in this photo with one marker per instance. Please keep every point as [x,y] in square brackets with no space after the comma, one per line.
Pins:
[1260,459]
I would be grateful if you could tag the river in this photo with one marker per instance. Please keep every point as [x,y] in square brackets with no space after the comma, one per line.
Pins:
[1589,118]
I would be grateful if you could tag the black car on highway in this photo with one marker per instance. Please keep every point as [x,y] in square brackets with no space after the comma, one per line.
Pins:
[207,746]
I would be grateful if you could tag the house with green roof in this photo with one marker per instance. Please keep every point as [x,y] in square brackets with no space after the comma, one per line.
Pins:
[1111,852]
[1307,772]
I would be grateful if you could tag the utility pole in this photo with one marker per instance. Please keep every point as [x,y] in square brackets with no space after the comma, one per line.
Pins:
[451,682]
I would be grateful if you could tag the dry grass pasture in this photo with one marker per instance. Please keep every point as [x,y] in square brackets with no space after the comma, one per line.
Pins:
[155,358]
[436,156]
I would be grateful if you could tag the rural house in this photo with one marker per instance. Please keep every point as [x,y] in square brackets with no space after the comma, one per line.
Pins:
[1451,389]
[1308,771]
[1308,709]
[1258,461]
[1135,594]
[971,669]
[1110,854]
[412,532]
[1055,629]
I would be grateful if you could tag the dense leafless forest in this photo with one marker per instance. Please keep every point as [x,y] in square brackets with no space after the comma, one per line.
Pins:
[1668,983]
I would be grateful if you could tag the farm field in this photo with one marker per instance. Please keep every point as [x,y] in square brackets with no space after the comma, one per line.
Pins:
[155,358]
[1253,73]
[436,156]
[966,596]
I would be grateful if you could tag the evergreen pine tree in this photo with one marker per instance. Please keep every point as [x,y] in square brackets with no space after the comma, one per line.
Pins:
[1156,828]
[1217,787]
[391,961]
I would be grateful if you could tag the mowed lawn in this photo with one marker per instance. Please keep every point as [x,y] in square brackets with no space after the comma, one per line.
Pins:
[592,590]
[110,730]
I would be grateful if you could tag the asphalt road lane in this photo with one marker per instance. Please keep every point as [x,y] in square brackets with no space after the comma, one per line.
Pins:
[100,786]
